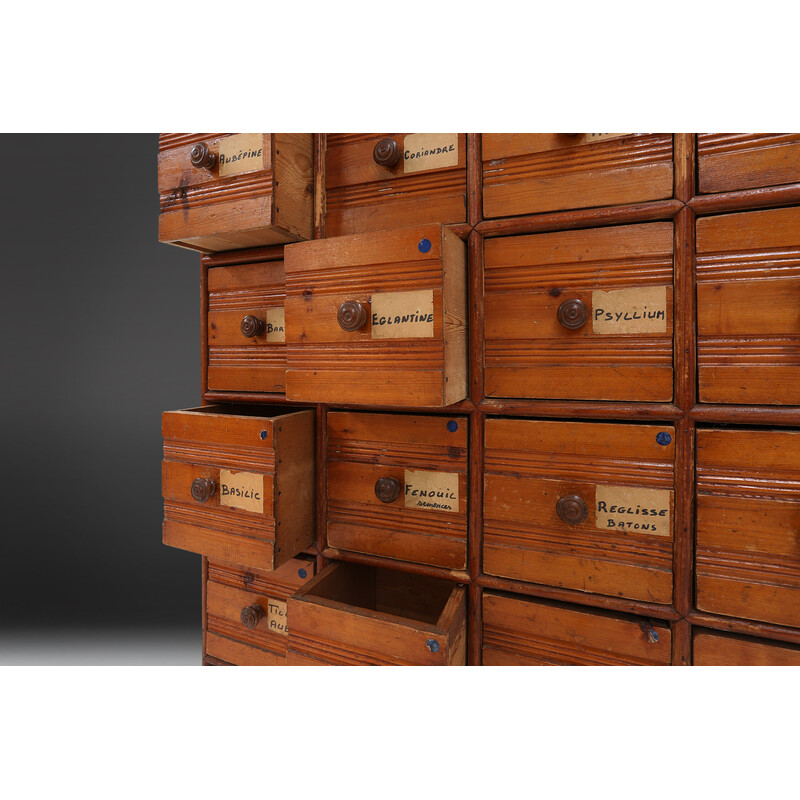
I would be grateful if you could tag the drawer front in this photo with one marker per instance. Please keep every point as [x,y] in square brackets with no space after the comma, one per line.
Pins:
[722,650]
[397,486]
[377,319]
[528,173]
[248,189]
[246,613]
[520,631]
[727,162]
[246,328]
[748,307]
[428,182]
[582,505]
[583,315]
[748,524]
[355,615]
[239,488]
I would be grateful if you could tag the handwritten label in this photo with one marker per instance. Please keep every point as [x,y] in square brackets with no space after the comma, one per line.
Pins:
[276,325]
[276,617]
[423,151]
[242,152]
[402,315]
[632,509]
[639,310]
[437,491]
[243,490]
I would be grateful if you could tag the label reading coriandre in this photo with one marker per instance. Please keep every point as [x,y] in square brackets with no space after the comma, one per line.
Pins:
[423,151]
[632,509]
[243,490]
[437,491]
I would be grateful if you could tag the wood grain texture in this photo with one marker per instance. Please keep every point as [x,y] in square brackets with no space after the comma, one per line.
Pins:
[722,650]
[520,632]
[530,464]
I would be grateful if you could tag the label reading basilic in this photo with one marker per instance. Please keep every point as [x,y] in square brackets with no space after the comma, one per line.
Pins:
[276,617]
[639,310]
[402,315]
[437,491]
[276,325]
[632,509]
[242,152]
[423,151]
[243,490]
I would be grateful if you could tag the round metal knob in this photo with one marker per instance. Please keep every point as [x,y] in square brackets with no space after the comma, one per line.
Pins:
[201,156]
[572,314]
[572,509]
[203,488]
[387,153]
[387,490]
[252,326]
[251,615]
[352,316]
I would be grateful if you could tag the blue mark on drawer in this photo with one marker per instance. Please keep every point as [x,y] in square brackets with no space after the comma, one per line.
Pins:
[424,245]
[263,434]
[452,426]
[302,573]
[432,645]
[663,438]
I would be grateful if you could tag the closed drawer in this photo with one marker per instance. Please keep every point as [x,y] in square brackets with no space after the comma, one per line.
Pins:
[378,181]
[748,524]
[378,318]
[222,191]
[238,483]
[748,307]
[528,173]
[247,620]
[356,615]
[723,650]
[586,506]
[584,315]
[397,486]
[727,162]
[520,631]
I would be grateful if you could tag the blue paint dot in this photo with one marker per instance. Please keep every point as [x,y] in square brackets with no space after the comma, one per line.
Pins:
[424,245]
[663,438]
[302,573]
[654,635]
[452,426]
[432,645]
[263,434]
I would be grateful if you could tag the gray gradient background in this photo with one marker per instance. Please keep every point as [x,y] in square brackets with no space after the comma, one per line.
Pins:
[100,334]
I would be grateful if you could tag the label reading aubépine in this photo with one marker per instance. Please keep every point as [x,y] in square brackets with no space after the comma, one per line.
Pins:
[402,315]
[243,490]
[276,617]
[632,509]
[639,310]
[423,151]
[276,325]
[242,152]
[437,491]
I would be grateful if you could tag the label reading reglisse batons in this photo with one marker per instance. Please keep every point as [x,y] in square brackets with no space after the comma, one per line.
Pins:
[402,315]
[640,310]
[242,152]
[632,509]
[243,490]
[423,151]
[437,491]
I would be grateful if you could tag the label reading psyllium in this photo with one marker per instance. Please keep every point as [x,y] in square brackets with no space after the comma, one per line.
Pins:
[402,315]
[437,491]
[639,310]
[423,151]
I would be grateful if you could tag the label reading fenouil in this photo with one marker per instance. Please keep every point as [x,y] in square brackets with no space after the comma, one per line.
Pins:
[402,315]
[242,152]
[276,325]
[437,491]
[639,310]
[632,509]
[243,490]
[276,617]
[423,151]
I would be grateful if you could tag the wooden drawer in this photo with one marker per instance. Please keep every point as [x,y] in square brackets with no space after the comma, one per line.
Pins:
[368,190]
[378,318]
[583,315]
[528,173]
[587,506]
[256,190]
[397,486]
[727,162]
[521,631]
[748,524]
[354,615]
[711,649]
[238,483]
[246,330]
[246,614]
[748,307]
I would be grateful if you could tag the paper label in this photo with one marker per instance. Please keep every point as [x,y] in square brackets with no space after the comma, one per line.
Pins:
[632,509]
[243,490]
[276,617]
[402,315]
[275,325]
[423,151]
[437,491]
[242,152]
[639,310]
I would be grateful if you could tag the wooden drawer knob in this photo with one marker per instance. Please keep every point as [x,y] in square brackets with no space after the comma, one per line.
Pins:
[386,153]
[572,509]
[387,490]
[201,156]
[572,314]
[352,316]
[203,489]
[252,326]
[251,615]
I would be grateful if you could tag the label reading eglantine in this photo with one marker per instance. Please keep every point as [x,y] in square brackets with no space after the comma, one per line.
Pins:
[276,325]
[640,310]
[627,508]
[423,151]
[402,315]
[276,617]
[242,152]
[243,490]
[437,491]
